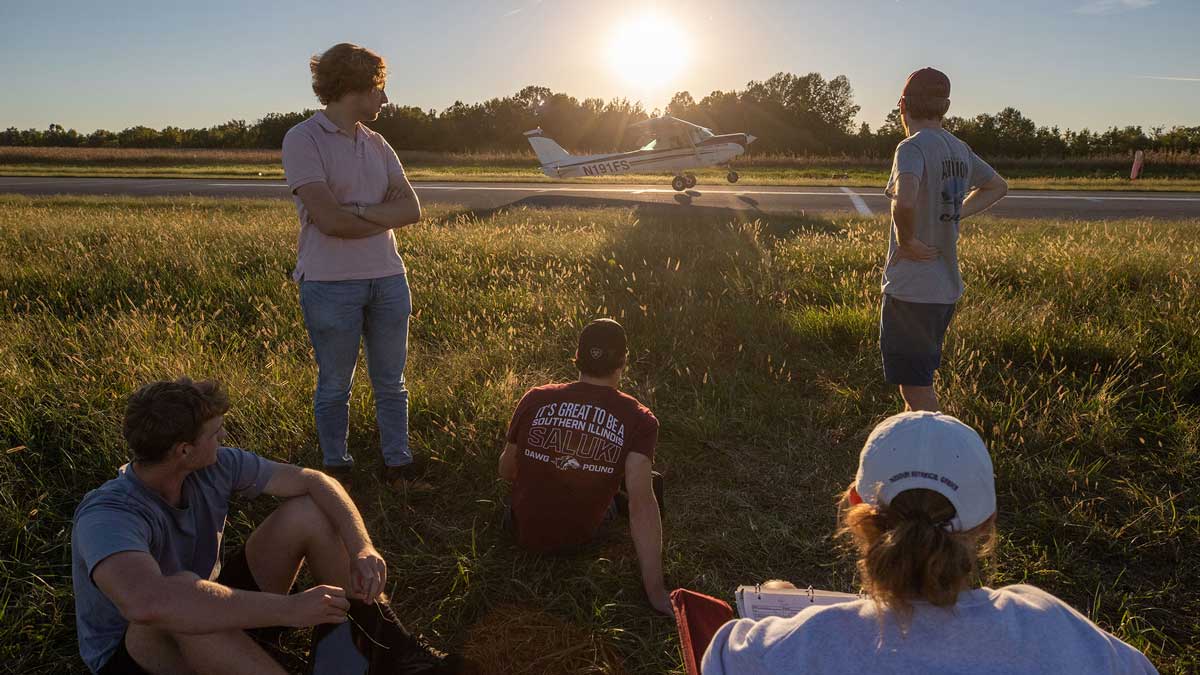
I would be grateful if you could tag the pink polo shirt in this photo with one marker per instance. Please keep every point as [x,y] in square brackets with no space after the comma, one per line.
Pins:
[356,168]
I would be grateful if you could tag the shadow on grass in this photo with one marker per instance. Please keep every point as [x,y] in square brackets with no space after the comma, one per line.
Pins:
[683,209]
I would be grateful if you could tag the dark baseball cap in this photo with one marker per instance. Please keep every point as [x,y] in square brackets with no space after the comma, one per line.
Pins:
[927,83]
[602,347]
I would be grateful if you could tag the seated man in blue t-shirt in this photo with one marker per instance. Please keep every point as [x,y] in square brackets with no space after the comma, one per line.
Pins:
[151,592]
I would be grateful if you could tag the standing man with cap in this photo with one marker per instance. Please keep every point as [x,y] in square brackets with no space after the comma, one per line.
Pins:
[936,181]
[920,513]
[351,194]
[569,446]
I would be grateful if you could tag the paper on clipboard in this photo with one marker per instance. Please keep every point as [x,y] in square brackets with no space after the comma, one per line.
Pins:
[755,602]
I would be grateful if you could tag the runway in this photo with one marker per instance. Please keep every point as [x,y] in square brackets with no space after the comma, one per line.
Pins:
[1090,205]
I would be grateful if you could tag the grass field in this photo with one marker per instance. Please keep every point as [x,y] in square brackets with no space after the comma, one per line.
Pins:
[1076,353]
[1166,173]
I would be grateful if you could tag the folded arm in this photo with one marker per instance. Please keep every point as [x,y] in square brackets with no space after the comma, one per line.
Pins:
[330,218]
[399,207]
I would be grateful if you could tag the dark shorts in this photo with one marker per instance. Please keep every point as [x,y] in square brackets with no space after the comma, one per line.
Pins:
[618,507]
[235,573]
[910,339]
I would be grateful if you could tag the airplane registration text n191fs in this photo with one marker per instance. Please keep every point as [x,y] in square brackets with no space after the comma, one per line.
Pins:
[674,145]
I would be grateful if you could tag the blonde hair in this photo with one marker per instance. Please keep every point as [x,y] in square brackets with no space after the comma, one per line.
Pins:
[346,68]
[905,553]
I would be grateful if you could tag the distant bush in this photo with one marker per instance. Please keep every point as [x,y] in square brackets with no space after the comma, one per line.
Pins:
[790,114]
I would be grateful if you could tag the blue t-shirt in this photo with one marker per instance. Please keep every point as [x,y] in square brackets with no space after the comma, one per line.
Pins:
[1015,630]
[125,515]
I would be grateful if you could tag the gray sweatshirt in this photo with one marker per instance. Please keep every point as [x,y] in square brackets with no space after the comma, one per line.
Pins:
[1011,630]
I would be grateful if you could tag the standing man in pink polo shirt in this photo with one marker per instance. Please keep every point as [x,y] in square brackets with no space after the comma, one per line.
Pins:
[351,193]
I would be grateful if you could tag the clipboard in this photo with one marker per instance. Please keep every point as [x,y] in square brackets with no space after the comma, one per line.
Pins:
[756,602]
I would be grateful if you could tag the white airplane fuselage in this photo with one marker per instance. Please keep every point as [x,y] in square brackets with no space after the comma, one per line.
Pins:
[714,151]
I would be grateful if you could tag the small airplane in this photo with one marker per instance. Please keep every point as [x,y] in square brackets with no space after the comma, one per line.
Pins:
[675,145]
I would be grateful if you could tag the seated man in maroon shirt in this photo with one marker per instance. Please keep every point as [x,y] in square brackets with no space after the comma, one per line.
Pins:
[569,446]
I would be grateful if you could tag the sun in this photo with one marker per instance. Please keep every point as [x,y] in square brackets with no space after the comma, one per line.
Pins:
[649,50]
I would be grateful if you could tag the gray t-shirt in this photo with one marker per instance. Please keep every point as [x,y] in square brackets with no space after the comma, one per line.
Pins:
[125,515]
[948,170]
[1015,630]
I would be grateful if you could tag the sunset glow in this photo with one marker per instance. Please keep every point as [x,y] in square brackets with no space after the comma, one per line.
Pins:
[649,50]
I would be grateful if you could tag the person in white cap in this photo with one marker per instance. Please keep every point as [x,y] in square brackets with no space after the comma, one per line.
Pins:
[920,513]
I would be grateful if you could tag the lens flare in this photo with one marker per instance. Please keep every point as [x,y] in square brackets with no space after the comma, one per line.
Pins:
[649,50]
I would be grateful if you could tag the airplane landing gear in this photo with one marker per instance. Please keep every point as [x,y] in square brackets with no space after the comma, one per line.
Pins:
[690,180]
[732,177]
[679,183]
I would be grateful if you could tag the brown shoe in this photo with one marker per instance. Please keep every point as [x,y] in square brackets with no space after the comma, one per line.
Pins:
[405,478]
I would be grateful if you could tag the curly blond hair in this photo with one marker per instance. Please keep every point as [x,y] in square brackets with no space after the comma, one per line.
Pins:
[346,68]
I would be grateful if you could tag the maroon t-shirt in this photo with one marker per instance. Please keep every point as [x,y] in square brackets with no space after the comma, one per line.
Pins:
[572,441]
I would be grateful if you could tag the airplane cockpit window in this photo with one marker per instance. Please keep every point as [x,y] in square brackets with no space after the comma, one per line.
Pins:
[649,146]
[671,140]
[700,134]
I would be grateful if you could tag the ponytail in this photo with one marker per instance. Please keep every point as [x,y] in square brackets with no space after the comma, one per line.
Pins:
[906,552]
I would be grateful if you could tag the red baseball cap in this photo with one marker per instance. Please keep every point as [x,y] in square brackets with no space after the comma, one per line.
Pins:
[928,83]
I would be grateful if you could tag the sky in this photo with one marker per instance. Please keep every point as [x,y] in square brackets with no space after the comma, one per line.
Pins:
[1070,63]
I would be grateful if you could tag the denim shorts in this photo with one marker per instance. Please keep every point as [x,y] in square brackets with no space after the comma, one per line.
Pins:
[910,340]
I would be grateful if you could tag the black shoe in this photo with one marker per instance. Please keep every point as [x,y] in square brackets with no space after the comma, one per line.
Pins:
[344,473]
[396,651]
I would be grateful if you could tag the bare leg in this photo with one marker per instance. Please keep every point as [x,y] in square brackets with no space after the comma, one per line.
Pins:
[297,532]
[294,533]
[919,398]
[154,650]
[231,652]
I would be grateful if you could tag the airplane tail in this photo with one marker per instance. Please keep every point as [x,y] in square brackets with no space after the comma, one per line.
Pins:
[548,152]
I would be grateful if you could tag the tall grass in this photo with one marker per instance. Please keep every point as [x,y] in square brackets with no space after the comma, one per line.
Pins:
[1076,354]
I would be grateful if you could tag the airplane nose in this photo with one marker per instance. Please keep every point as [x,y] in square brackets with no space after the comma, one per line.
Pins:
[750,138]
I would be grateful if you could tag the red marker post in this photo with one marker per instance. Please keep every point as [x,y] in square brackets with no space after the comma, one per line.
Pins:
[1139,158]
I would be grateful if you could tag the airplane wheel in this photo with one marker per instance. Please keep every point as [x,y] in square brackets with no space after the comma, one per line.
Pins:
[679,183]
[690,181]
[732,177]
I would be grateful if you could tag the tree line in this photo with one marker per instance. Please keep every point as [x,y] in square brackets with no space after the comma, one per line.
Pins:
[790,114]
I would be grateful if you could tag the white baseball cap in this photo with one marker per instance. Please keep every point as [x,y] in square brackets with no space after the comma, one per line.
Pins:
[932,451]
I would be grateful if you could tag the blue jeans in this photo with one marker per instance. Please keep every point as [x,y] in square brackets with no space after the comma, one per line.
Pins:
[338,315]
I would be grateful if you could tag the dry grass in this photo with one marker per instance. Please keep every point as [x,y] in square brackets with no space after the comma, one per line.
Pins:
[1076,353]
[515,640]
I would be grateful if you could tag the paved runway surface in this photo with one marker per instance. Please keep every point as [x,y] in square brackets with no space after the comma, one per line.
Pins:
[765,199]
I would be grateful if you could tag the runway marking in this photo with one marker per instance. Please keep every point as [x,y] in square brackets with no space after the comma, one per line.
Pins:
[42,182]
[631,190]
[509,188]
[1076,198]
[1106,199]
[863,209]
